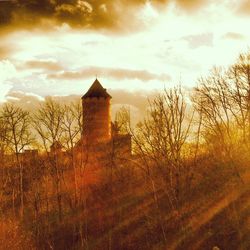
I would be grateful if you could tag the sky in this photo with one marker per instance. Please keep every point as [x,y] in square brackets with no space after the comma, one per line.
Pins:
[134,47]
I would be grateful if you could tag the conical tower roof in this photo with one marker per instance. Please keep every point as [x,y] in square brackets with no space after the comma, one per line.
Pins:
[96,90]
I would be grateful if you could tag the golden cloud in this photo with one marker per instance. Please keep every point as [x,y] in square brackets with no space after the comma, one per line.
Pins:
[233,36]
[191,4]
[115,73]
[5,51]
[44,65]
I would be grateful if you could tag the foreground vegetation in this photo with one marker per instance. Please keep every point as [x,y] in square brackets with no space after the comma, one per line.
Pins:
[186,186]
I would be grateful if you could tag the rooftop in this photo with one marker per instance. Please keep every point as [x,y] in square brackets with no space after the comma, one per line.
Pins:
[96,90]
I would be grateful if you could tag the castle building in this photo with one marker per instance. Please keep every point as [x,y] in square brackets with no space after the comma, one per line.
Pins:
[99,139]
[96,115]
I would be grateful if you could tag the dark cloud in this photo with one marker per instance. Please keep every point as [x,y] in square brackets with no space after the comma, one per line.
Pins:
[94,14]
[117,74]
[76,13]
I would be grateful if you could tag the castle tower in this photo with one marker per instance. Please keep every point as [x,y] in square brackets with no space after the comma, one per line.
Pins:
[96,114]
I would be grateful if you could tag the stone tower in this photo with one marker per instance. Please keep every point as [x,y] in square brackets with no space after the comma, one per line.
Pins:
[96,115]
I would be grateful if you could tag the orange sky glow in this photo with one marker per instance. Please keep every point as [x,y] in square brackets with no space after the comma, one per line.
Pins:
[57,48]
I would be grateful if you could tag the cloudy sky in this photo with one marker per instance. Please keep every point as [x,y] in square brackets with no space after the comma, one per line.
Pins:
[134,47]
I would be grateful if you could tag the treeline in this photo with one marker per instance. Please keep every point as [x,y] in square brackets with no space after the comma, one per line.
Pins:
[189,153]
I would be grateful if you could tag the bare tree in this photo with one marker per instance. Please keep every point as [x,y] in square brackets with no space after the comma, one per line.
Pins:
[160,142]
[3,136]
[212,99]
[48,123]
[18,136]
[223,99]
[163,134]
[123,120]
[72,130]
[238,77]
